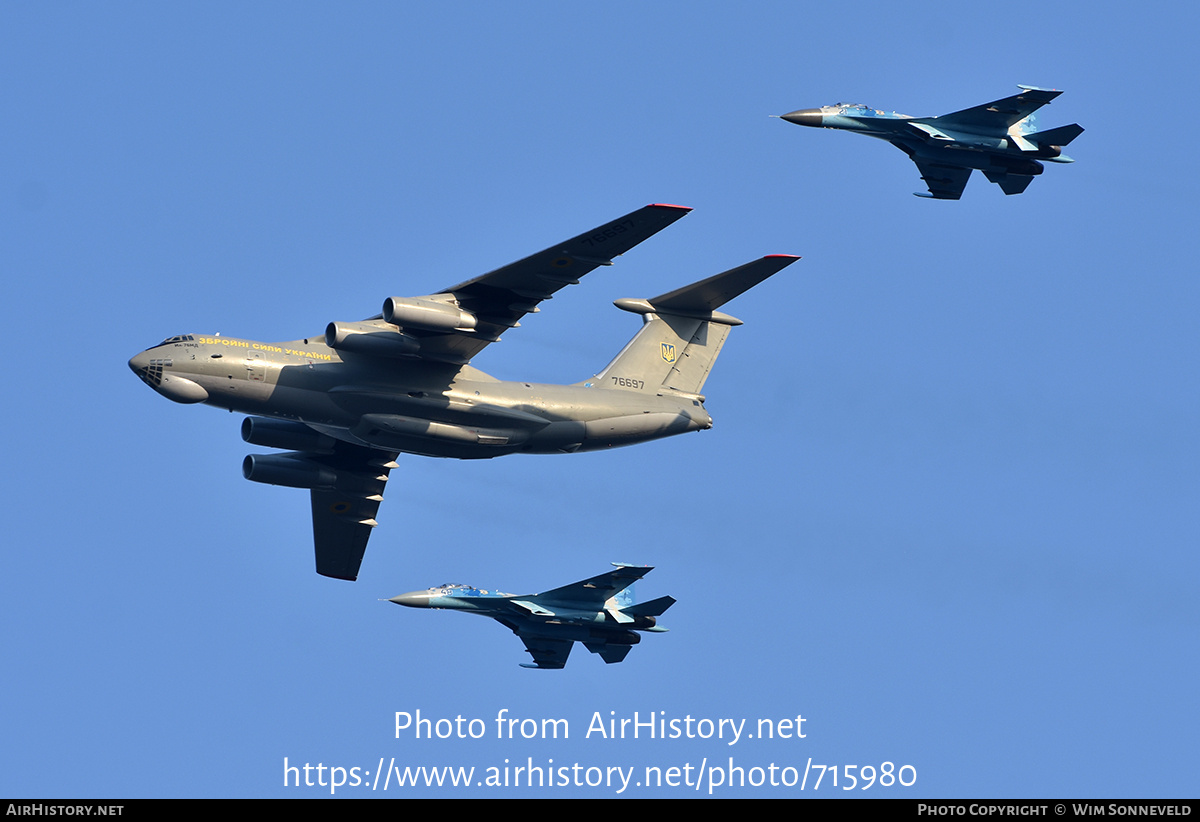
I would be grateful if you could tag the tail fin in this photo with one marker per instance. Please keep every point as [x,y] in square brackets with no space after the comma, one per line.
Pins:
[624,598]
[683,332]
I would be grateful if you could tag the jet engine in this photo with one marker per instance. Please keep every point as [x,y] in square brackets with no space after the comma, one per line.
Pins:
[293,436]
[362,338]
[427,315]
[1030,168]
[291,470]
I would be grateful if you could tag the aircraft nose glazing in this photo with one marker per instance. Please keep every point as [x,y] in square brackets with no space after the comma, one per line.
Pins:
[148,370]
[172,386]
[804,117]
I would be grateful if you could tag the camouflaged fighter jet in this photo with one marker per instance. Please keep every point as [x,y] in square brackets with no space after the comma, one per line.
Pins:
[599,612]
[349,402]
[1000,139]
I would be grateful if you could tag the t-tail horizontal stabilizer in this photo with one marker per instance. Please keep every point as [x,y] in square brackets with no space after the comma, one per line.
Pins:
[683,332]
[703,298]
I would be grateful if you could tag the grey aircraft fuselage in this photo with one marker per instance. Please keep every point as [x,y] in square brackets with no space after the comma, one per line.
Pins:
[415,407]
[347,403]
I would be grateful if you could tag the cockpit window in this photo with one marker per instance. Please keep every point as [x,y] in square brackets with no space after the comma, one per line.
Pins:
[177,339]
[458,589]
[856,109]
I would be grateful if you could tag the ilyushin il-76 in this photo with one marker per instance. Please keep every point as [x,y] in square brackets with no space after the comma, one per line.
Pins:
[599,612]
[998,138]
[347,403]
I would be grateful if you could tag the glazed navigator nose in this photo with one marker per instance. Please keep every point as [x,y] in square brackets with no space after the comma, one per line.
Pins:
[138,362]
[155,372]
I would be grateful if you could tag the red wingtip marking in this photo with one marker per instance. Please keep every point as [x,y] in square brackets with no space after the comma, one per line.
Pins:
[789,256]
[668,205]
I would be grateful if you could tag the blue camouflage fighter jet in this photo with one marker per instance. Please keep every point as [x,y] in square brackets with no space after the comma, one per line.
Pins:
[599,612]
[999,138]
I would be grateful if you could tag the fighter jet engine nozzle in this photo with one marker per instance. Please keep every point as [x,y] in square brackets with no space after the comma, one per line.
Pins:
[1050,151]
[286,434]
[362,338]
[290,471]
[805,117]
[428,315]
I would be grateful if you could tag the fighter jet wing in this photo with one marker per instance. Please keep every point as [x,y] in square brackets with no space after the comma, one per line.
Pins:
[945,182]
[598,590]
[344,516]
[998,115]
[546,653]
[500,298]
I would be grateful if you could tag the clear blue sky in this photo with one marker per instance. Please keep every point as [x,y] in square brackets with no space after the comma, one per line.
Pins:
[948,512]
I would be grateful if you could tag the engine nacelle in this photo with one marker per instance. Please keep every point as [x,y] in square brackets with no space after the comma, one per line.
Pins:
[361,338]
[429,315]
[1031,168]
[293,471]
[286,434]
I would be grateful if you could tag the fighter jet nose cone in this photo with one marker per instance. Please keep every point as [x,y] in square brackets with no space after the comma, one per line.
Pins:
[804,117]
[413,599]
